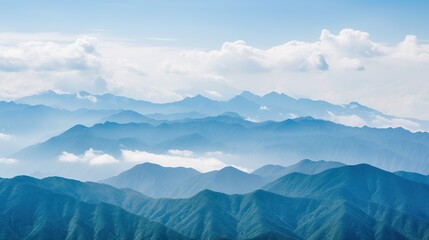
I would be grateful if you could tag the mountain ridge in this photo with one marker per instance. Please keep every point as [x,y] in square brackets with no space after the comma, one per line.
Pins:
[271,106]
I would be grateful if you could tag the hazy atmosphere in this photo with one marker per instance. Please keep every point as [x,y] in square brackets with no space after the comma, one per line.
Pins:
[214,119]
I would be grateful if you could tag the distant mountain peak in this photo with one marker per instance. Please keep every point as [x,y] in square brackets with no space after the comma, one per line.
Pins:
[306,161]
[149,165]
[232,115]
[275,94]
[49,92]
[229,169]
[248,94]
[197,98]
[206,193]
[272,93]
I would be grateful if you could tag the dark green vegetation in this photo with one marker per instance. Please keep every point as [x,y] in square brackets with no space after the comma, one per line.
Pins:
[28,211]
[349,202]
[414,177]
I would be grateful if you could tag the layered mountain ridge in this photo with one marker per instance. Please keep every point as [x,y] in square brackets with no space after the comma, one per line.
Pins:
[348,202]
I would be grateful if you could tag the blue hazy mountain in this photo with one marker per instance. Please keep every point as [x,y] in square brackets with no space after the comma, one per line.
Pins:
[157,181]
[27,124]
[305,166]
[31,212]
[84,100]
[128,116]
[350,202]
[152,180]
[272,106]
[281,143]
[176,116]
[228,180]
[414,177]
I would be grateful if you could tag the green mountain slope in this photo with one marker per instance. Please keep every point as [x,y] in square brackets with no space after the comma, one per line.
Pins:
[351,202]
[416,177]
[358,185]
[31,212]
[211,215]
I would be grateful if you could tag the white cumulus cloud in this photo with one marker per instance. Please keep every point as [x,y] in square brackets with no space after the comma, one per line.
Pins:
[50,56]
[91,156]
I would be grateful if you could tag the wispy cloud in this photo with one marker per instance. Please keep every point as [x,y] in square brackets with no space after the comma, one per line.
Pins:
[162,39]
[376,121]
[7,160]
[348,120]
[5,137]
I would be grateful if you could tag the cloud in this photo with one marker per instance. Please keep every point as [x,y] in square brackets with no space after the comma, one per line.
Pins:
[183,153]
[348,120]
[5,137]
[214,93]
[50,56]
[376,121]
[351,43]
[264,108]
[91,156]
[7,160]
[88,97]
[382,122]
[352,63]
[345,66]
[175,158]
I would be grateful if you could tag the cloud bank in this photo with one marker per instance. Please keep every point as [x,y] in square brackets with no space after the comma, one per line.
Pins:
[337,67]
[173,158]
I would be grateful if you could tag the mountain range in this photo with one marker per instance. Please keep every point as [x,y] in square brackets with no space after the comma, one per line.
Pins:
[247,128]
[178,182]
[152,179]
[29,124]
[280,142]
[348,202]
[28,211]
[305,166]
[272,106]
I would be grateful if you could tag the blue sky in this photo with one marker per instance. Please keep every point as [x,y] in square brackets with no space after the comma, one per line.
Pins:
[208,24]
